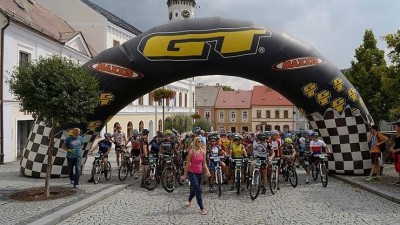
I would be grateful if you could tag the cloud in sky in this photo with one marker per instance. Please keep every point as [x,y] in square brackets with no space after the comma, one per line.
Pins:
[334,28]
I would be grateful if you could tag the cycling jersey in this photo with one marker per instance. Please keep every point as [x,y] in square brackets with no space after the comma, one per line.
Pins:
[276,146]
[168,146]
[154,146]
[260,150]
[288,150]
[104,145]
[225,144]
[214,151]
[237,150]
[119,138]
[316,146]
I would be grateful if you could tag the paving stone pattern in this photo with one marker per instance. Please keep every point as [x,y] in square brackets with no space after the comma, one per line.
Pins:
[339,203]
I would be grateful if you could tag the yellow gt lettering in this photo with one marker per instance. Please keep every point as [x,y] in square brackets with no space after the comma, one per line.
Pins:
[323,97]
[338,84]
[197,45]
[105,99]
[310,89]
[352,94]
[93,125]
[338,104]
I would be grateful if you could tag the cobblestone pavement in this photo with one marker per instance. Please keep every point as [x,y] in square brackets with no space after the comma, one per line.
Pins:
[19,212]
[339,203]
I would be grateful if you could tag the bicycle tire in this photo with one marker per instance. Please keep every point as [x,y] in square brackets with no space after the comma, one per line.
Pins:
[314,171]
[273,183]
[96,173]
[107,173]
[179,173]
[237,177]
[219,181]
[151,180]
[285,172]
[123,171]
[255,185]
[292,174]
[168,179]
[324,176]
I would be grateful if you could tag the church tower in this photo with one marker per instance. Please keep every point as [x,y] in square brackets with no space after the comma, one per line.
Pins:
[180,9]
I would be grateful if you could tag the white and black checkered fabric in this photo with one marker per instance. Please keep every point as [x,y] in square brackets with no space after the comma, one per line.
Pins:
[34,159]
[347,134]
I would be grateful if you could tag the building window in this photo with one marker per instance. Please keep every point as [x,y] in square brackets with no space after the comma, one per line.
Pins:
[277,128]
[141,126]
[277,114]
[244,116]
[285,114]
[285,128]
[180,99]
[258,113]
[268,114]
[129,129]
[221,129]
[24,57]
[221,116]
[115,43]
[160,125]
[245,129]
[207,115]
[186,100]
[233,129]
[233,116]
[140,101]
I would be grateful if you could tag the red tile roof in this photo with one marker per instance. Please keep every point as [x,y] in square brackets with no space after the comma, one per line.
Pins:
[265,96]
[234,99]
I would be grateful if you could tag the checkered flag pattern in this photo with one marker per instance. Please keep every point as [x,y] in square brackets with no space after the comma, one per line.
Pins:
[34,159]
[346,134]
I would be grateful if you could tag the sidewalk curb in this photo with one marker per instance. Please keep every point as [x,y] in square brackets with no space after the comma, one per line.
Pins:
[374,190]
[62,214]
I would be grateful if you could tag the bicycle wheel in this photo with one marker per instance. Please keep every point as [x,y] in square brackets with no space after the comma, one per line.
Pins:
[151,180]
[292,174]
[218,175]
[107,173]
[273,182]
[255,185]
[179,173]
[96,173]
[168,179]
[324,175]
[123,171]
[314,171]
[285,172]
[237,179]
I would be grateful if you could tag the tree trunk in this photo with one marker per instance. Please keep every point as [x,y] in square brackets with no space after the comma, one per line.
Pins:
[49,163]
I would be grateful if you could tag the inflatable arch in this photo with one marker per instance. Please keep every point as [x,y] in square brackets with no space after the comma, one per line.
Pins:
[210,46]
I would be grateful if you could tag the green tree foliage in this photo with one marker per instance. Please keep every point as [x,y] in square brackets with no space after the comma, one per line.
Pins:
[391,80]
[227,88]
[203,124]
[57,91]
[182,123]
[366,74]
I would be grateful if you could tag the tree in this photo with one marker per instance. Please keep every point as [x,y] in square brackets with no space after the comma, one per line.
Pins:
[160,95]
[366,75]
[180,122]
[57,91]
[391,80]
[203,124]
[227,88]
[195,116]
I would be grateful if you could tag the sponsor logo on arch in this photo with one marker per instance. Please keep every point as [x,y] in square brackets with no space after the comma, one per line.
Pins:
[116,70]
[298,63]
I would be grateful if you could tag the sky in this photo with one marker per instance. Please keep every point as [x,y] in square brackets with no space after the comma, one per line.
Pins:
[334,27]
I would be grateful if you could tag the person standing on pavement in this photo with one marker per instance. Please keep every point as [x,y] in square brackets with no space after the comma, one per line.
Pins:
[119,141]
[73,145]
[196,164]
[374,140]
[395,149]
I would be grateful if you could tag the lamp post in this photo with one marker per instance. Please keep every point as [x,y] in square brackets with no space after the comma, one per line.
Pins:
[162,94]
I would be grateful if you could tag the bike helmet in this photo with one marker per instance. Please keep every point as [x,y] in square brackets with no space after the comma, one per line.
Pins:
[107,135]
[314,134]
[196,130]
[248,137]
[135,132]
[168,132]
[145,132]
[274,132]
[262,136]
[237,137]
[288,140]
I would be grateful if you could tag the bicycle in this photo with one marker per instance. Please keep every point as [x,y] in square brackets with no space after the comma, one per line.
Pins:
[169,175]
[238,173]
[153,176]
[273,174]
[289,170]
[218,173]
[98,168]
[257,180]
[128,165]
[319,167]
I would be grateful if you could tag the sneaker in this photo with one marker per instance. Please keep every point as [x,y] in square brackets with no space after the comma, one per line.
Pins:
[72,182]
[91,180]
[203,212]
[76,186]
[189,204]
[368,179]
[307,180]
[264,190]
[211,190]
[136,176]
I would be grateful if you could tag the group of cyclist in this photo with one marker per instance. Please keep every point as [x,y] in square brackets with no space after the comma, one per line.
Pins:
[228,146]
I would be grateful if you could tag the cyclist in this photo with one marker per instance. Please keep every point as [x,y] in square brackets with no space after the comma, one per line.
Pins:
[275,142]
[104,148]
[214,150]
[119,139]
[156,142]
[135,149]
[262,151]
[237,151]
[167,146]
[288,148]
[316,146]
[144,146]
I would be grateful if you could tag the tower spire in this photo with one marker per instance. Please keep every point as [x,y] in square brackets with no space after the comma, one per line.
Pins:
[180,9]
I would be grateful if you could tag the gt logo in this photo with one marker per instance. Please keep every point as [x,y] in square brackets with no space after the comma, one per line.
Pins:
[94,124]
[338,84]
[105,99]
[338,104]
[323,97]
[310,89]
[352,94]
[197,45]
